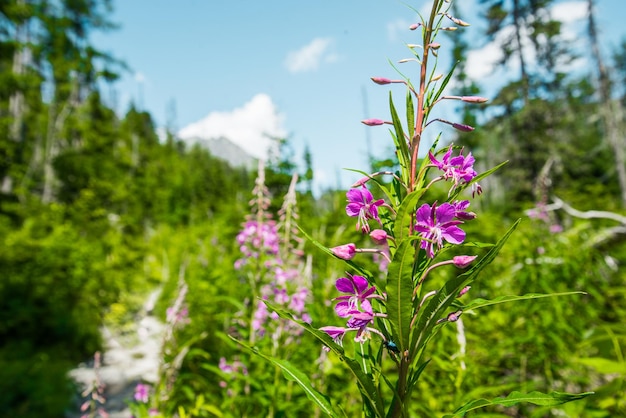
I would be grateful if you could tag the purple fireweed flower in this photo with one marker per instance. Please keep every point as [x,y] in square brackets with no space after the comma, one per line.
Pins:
[459,168]
[556,228]
[361,205]
[358,291]
[298,300]
[141,393]
[360,321]
[460,210]
[345,252]
[336,333]
[260,317]
[436,224]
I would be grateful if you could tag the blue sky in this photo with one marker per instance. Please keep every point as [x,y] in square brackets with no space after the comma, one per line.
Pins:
[284,67]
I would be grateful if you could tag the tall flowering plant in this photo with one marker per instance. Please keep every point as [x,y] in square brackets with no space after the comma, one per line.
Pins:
[392,317]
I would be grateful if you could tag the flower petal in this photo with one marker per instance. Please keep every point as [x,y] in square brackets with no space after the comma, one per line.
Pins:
[345,285]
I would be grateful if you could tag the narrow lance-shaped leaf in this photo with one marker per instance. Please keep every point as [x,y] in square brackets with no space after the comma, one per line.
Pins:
[405,213]
[364,381]
[476,179]
[436,308]
[410,113]
[402,148]
[400,291]
[481,303]
[293,374]
[436,94]
[536,398]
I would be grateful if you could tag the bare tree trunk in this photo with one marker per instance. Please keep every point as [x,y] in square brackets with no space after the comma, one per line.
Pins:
[52,145]
[17,105]
[611,110]
[517,22]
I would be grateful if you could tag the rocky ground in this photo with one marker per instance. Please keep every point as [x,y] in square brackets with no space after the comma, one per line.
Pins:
[128,359]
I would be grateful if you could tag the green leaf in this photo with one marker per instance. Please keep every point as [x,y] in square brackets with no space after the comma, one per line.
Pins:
[293,374]
[410,114]
[476,179]
[603,365]
[536,398]
[481,303]
[365,383]
[436,94]
[436,307]
[400,292]
[405,213]
[402,149]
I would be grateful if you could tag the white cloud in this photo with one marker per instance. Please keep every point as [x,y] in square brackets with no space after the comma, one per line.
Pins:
[398,29]
[247,126]
[310,56]
[569,11]
[140,77]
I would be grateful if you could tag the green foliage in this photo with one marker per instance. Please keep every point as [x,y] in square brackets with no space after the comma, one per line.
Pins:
[96,212]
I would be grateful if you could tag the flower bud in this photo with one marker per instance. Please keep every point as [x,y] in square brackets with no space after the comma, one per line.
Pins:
[462,261]
[414,26]
[345,252]
[434,45]
[437,77]
[474,99]
[373,122]
[379,236]
[454,316]
[360,182]
[462,127]
[381,80]
[464,291]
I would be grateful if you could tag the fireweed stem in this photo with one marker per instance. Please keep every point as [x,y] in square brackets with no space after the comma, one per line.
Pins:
[426,296]
[428,270]
[415,142]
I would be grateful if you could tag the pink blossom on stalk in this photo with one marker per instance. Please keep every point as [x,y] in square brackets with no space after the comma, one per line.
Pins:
[436,224]
[414,26]
[474,99]
[381,80]
[141,393]
[462,127]
[379,236]
[345,252]
[373,122]
[361,205]
[464,290]
[462,261]
[298,300]
[361,181]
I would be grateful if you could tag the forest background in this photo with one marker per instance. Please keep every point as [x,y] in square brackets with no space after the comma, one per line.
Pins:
[97,210]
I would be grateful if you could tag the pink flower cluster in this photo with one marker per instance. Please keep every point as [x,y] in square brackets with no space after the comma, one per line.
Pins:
[256,239]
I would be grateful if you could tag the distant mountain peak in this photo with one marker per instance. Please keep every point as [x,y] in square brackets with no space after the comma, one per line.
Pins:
[224,148]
